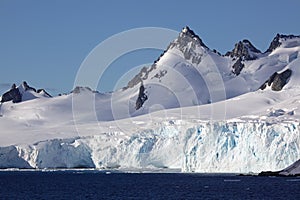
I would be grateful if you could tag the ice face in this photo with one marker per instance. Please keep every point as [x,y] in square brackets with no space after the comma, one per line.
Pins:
[237,147]
[242,147]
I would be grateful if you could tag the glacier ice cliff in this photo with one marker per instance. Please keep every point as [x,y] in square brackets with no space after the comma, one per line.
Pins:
[237,147]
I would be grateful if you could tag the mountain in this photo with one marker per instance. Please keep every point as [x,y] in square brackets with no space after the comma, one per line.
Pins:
[244,50]
[188,68]
[23,93]
[192,109]
[292,170]
[280,40]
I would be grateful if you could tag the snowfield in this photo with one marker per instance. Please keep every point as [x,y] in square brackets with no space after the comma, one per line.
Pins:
[265,137]
[198,117]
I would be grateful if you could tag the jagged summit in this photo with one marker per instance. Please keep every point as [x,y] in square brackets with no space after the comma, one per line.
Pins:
[187,43]
[187,32]
[190,45]
[244,50]
[278,39]
[23,92]
[188,52]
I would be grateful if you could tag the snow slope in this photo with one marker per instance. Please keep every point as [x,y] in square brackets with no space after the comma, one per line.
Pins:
[215,121]
[293,169]
[240,139]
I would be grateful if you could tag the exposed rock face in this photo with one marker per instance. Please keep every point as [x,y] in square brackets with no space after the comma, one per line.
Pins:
[43,91]
[238,66]
[141,98]
[27,87]
[189,34]
[142,75]
[244,50]
[276,42]
[278,81]
[187,42]
[281,79]
[13,94]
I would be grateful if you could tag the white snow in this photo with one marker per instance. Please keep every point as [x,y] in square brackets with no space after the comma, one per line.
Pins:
[243,130]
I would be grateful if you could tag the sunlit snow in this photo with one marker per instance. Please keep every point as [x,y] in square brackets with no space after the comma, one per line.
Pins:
[198,118]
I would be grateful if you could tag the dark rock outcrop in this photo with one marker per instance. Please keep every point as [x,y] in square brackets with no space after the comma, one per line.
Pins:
[13,94]
[276,42]
[278,81]
[27,87]
[141,98]
[238,66]
[216,52]
[281,79]
[244,50]
[43,91]
[269,173]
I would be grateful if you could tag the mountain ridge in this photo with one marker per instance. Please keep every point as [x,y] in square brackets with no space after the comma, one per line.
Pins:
[243,51]
[189,61]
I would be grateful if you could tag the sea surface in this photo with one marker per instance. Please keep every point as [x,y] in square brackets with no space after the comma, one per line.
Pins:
[115,185]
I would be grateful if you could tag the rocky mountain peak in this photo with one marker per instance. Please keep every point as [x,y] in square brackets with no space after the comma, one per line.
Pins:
[18,94]
[189,33]
[278,39]
[190,44]
[26,87]
[244,50]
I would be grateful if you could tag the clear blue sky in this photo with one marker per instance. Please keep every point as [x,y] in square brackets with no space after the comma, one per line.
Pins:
[45,42]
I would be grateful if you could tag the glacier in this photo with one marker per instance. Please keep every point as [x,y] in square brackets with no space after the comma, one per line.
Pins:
[225,147]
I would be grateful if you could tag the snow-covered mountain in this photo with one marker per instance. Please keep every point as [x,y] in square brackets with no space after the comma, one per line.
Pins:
[293,169]
[188,68]
[23,93]
[193,110]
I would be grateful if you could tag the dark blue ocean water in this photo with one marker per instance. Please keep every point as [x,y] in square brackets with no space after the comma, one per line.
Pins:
[99,185]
